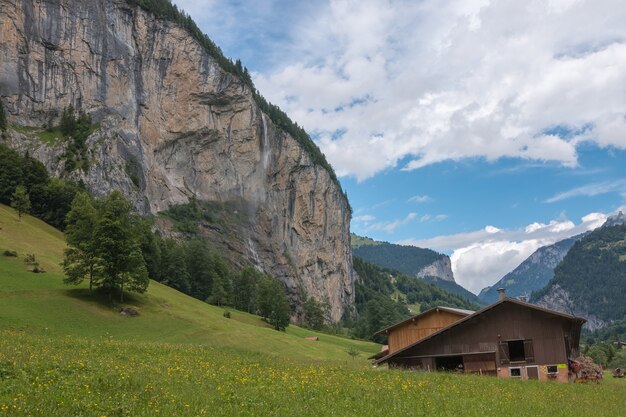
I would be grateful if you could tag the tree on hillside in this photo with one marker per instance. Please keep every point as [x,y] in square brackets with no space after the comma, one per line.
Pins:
[56,202]
[149,242]
[104,245]
[221,288]
[10,172]
[20,201]
[81,257]
[244,289]
[173,269]
[272,303]
[199,268]
[118,246]
[3,118]
[313,314]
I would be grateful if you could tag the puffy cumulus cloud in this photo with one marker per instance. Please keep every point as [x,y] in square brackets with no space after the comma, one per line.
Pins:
[482,257]
[476,266]
[422,82]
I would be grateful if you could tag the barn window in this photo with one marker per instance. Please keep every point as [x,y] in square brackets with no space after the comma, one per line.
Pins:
[516,351]
[552,369]
[515,372]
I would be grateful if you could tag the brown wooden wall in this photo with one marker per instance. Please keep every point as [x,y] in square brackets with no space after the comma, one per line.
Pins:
[421,327]
[507,321]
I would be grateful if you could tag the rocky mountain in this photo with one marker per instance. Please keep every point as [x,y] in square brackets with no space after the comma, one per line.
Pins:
[532,274]
[425,264]
[615,220]
[440,269]
[410,260]
[591,280]
[172,124]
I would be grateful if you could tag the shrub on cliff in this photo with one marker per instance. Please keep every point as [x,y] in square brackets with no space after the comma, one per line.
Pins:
[3,118]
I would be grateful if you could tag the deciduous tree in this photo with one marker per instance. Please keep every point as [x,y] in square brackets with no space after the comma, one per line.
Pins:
[272,303]
[20,201]
[81,257]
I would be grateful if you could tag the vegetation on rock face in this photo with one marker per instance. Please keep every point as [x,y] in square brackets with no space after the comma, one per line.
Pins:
[3,118]
[594,273]
[50,198]
[614,332]
[164,9]
[76,130]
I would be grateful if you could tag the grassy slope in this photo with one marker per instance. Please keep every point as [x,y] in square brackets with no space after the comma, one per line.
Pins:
[41,302]
[61,354]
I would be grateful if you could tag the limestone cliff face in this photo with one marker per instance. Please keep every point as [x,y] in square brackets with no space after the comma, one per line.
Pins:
[557,298]
[441,268]
[184,127]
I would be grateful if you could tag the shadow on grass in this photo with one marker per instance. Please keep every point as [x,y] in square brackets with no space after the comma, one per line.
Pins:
[104,298]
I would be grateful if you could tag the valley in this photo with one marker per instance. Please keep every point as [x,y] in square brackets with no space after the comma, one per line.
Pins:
[174,243]
[63,352]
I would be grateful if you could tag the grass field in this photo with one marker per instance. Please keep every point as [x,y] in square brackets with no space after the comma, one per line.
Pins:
[64,354]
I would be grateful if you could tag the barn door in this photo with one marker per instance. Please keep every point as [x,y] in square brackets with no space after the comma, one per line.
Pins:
[529,352]
[504,353]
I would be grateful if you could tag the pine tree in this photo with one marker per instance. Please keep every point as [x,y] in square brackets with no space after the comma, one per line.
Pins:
[118,247]
[20,201]
[81,258]
[3,118]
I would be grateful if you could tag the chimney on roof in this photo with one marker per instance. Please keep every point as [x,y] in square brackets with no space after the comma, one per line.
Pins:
[523,298]
[501,293]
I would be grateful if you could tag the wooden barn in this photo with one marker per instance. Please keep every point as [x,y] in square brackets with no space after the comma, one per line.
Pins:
[510,338]
[424,324]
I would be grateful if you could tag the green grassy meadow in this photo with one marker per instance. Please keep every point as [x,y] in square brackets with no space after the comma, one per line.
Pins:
[63,353]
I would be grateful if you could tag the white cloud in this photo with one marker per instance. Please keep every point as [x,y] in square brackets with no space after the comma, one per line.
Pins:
[454,79]
[420,199]
[391,226]
[482,257]
[366,218]
[591,190]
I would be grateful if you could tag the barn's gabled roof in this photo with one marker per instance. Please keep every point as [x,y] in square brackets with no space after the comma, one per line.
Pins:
[458,311]
[478,313]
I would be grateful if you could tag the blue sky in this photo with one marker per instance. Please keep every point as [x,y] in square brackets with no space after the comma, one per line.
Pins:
[482,129]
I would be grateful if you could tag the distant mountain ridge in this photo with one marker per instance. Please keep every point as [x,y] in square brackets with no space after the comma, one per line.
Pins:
[533,274]
[426,264]
[591,279]
[410,260]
